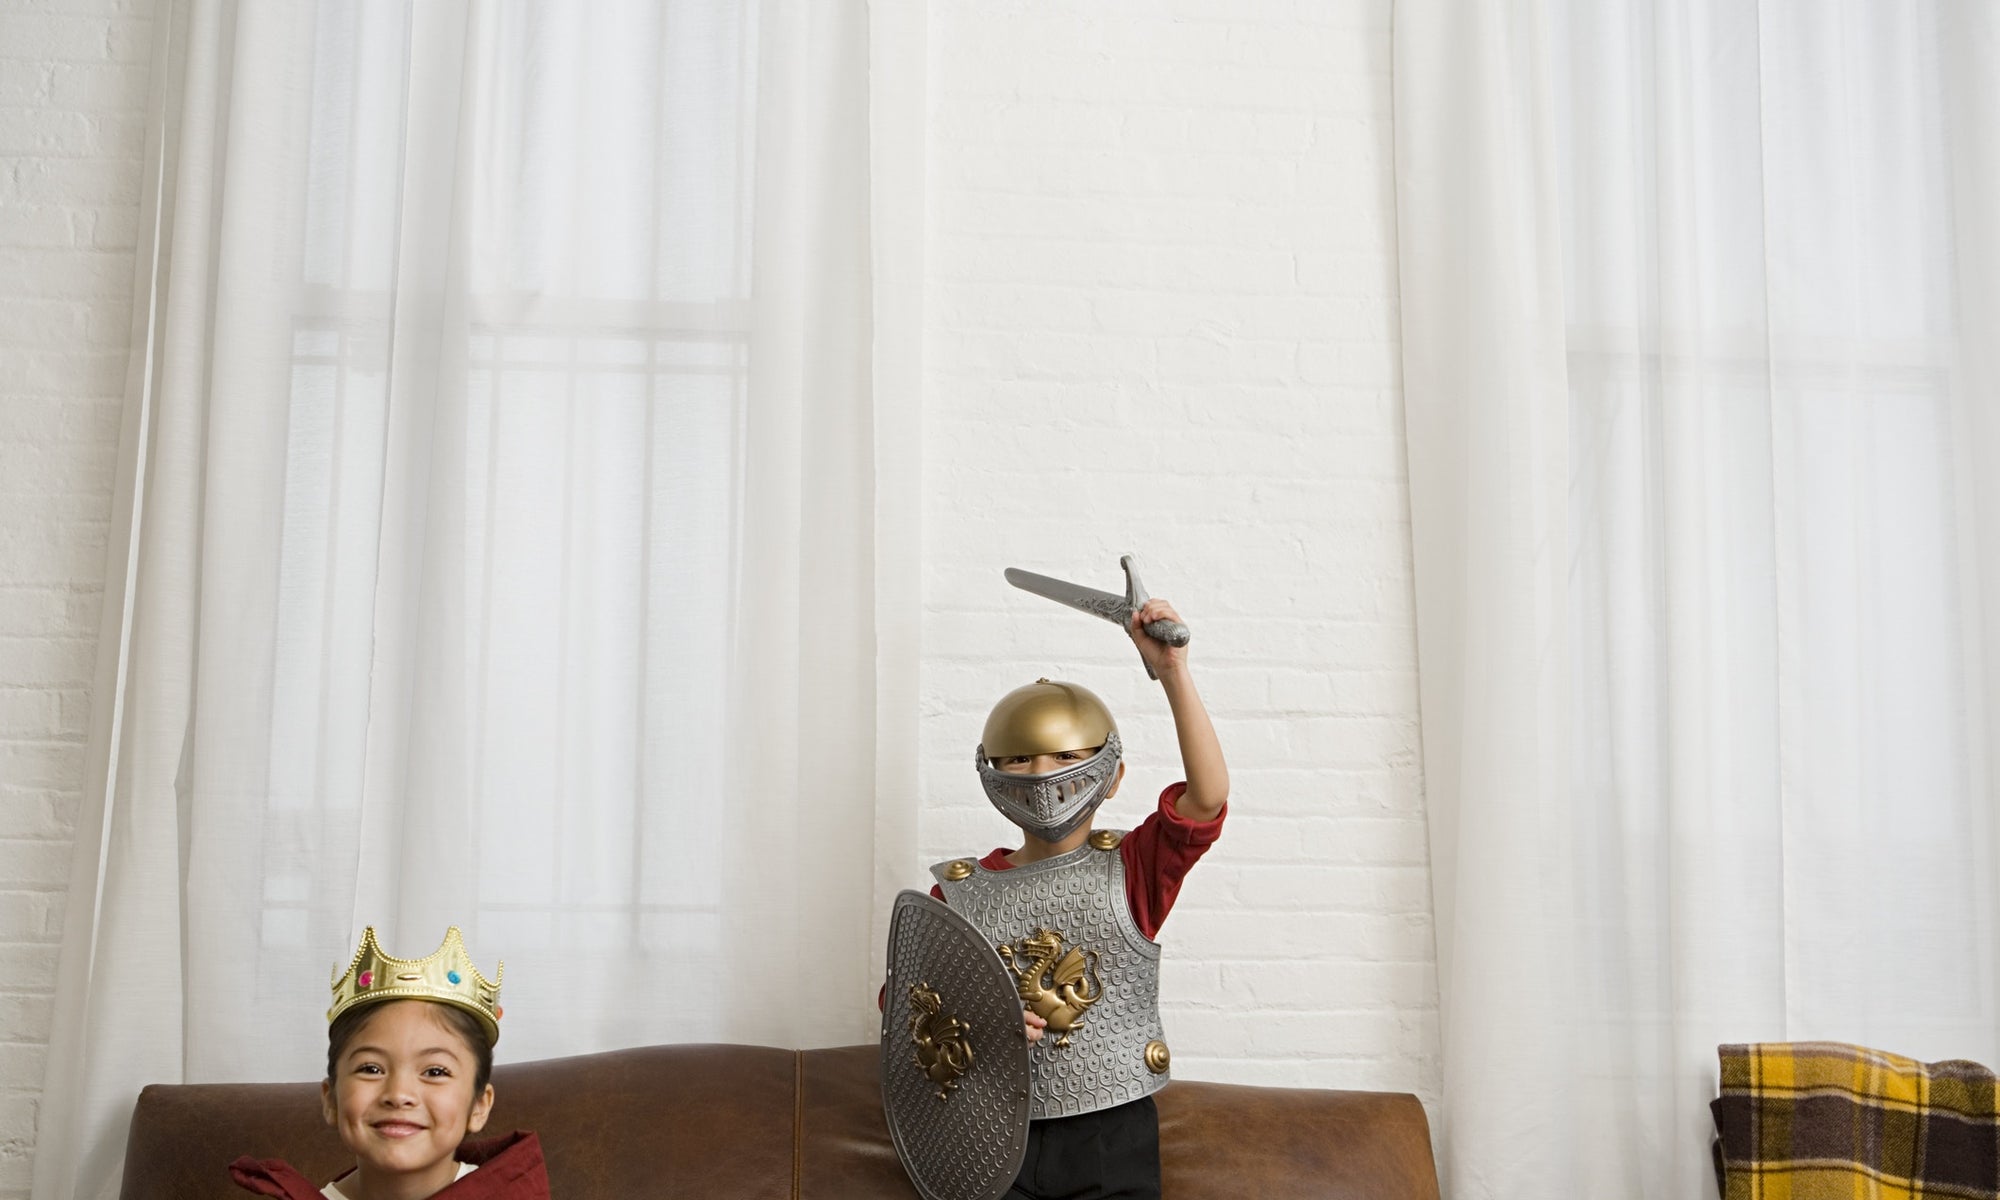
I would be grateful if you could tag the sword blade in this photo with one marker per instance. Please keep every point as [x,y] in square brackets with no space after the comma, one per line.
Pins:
[1107,605]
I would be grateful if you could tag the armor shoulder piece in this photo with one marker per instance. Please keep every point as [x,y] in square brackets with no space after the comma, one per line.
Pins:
[953,870]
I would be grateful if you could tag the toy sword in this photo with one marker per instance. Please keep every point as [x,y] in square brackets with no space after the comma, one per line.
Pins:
[1114,608]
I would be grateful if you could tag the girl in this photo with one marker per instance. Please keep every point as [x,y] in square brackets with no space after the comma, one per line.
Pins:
[409,1052]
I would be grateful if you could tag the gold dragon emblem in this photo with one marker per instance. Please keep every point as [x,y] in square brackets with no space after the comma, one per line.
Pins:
[943,1042]
[1056,983]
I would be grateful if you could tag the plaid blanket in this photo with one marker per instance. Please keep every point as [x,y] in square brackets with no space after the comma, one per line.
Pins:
[1827,1121]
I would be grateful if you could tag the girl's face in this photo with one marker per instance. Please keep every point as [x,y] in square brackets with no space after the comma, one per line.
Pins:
[401,1098]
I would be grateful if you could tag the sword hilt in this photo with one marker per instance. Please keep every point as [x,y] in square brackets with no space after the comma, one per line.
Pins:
[1170,633]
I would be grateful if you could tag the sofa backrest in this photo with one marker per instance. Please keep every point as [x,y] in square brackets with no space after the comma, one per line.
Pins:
[754,1121]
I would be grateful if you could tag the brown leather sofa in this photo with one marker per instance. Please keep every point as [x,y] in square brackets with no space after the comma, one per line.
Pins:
[720,1122]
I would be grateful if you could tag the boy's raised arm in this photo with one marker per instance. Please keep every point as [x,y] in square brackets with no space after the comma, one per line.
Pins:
[1201,752]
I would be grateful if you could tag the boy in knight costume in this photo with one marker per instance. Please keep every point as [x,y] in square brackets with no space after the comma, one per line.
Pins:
[1073,913]
[409,1052]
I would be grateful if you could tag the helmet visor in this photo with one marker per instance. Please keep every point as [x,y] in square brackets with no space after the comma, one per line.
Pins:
[1053,804]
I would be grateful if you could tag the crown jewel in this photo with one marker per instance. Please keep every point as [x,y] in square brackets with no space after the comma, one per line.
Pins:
[446,976]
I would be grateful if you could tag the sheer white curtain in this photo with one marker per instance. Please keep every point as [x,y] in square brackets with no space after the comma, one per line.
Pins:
[507,482]
[1700,306]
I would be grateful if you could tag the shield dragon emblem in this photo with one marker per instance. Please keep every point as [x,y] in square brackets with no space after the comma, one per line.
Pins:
[955,1072]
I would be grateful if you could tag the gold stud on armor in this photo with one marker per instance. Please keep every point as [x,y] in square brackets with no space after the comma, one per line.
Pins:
[1104,839]
[959,869]
[1157,1057]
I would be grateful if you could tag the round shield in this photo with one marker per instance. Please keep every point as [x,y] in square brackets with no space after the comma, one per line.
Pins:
[955,1074]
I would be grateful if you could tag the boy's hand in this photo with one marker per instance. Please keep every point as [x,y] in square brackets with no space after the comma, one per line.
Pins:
[1032,1025]
[1159,656]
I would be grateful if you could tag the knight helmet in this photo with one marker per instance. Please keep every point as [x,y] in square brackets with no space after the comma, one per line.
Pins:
[1047,717]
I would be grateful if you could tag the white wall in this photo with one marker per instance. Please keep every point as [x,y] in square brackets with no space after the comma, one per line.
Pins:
[72,86]
[1161,318]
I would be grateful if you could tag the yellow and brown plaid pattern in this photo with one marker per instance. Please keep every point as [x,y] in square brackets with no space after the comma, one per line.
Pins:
[1829,1121]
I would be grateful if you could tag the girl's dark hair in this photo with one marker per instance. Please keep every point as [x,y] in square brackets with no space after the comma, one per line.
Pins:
[463,1023]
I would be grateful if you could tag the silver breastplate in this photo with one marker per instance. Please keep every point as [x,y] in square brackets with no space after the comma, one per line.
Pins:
[1063,927]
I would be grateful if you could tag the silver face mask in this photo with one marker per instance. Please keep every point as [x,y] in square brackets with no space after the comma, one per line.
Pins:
[1052,805]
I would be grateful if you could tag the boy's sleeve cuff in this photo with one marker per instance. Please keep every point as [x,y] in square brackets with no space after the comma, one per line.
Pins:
[1179,827]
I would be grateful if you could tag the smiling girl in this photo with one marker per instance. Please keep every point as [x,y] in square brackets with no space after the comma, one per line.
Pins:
[409,1053]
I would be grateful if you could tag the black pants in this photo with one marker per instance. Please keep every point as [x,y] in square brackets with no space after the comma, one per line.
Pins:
[1110,1154]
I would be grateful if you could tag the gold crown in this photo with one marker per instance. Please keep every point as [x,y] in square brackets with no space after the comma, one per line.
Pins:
[446,976]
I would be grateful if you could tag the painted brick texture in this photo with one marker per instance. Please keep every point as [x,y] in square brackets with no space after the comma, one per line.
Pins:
[1161,318]
[73,76]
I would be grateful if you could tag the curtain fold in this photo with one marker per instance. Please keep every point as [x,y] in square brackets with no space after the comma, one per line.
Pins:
[506,540]
[1484,382]
[1698,386]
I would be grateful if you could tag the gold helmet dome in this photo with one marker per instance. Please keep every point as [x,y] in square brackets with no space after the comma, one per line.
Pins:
[1046,717]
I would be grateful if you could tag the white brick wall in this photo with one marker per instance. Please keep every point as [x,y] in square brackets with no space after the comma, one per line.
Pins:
[1162,318]
[72,89]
